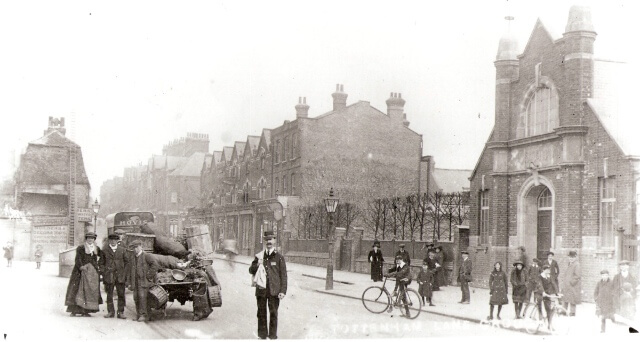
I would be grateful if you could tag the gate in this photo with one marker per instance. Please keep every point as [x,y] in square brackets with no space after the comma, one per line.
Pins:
[630,247]
[345,254]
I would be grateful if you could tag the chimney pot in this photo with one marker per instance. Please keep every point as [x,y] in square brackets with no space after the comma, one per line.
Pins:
[339,98]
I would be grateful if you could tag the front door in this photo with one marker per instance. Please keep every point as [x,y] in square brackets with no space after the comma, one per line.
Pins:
[545,211]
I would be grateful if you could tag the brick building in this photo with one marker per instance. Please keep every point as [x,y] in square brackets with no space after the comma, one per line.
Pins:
[168,185]
[358,150]
[560,170]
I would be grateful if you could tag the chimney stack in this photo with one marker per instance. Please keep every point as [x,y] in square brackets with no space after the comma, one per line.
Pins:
[302,108]
[395,107]
[339,98]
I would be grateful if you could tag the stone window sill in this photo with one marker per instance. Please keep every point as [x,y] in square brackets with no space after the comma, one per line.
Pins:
[605,252]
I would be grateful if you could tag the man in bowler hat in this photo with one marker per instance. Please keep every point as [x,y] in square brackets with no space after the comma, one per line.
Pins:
[464,277]
[114,275]
[404,254]
[554,269]
[276,286]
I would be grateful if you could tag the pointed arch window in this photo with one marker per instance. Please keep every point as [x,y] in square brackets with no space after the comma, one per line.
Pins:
[545,200]
[541,113]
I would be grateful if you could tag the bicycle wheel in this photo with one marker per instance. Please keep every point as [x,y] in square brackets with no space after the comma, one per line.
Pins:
[531,319]
[376,299]
[411,305]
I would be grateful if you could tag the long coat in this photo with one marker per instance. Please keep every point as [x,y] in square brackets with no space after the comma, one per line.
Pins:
[554,271]
[8,252]
[440,277]
[143,271]
[431,264]
[114,265]
[405,256]
[498,288]
[519,285]
[425,279]
[82,258]
[604,296]
[376,260]
[276,269]
[570,284]
[625,301]
[38,255]
[464,271]
[533,273]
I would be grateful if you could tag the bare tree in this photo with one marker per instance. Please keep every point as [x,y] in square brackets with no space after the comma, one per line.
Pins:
[346,214]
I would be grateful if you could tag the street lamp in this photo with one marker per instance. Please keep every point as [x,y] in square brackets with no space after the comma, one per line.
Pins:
[96,208]
[330,203]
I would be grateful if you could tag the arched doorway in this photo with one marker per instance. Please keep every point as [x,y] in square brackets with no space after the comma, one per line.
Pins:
[536,216]
[545,217]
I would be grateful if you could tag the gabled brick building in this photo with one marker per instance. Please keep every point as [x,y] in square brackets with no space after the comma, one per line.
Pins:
[561,169]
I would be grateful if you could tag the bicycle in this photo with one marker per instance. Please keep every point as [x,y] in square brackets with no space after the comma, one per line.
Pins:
[534,321]
[377,299]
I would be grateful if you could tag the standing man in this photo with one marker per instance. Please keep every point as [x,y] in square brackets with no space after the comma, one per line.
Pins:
[404,254]
[547,291]
[434,267]
[143,270]
[554,270]
[571,285]
[624,285]
[114,275]
[464,277]
[276,286]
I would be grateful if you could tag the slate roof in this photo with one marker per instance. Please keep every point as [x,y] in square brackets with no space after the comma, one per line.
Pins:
[227,151]
[190,167]
[217,156]
[253,142]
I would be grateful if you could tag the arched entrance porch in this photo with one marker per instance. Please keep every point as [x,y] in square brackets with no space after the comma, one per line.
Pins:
[536,216]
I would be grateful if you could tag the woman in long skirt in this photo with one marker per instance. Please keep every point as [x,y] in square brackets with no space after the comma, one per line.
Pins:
[376,260]
[86,268]
[497,289]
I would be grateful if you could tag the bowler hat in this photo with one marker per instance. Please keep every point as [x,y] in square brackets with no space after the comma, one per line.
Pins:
[465,252]
[114,237]
[550,253]
[376,244]
[518,261]
[90,235]
[401,245]
[604,272]
[536,260]
[135,243]
[268,235]
[573,254]
[624,262]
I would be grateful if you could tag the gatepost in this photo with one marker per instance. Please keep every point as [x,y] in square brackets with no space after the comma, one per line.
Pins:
[357,234]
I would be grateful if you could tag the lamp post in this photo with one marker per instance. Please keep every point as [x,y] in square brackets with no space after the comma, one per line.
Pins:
[96,207]
[330,203]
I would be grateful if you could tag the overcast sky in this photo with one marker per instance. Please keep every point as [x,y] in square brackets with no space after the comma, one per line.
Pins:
[131,76]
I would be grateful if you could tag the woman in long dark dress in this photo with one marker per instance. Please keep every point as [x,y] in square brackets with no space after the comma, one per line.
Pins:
[440,272]
[376,260]
[86,254]
[497,289]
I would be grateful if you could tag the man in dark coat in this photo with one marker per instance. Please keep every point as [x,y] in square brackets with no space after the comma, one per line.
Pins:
[276,286]
[547,288]
[376,260]
[533,276]
[434,267]
[604,296]
[404,254]
[89,259]
[464,277]
[143,270]
[571,285]
[624,285]
[554,269]
[115,258]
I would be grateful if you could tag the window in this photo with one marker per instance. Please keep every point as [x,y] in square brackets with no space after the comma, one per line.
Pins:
[174,197]
[294,146]
[545,200]
[275,151]
[284,185]
[262,162]
[607,211]
[285,149]
[484,217]
[262,189]
[541,115]
[293,184]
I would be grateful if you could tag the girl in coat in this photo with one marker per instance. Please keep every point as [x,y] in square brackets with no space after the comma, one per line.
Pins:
[38,256]
[604,296]
[425,279]
[497,289]
[519,286]
[376,260]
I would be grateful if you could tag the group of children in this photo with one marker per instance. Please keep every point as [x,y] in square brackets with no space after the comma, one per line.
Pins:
[8,254]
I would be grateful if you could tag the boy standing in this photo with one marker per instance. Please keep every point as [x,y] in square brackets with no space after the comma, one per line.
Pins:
[604,296]
[425,279]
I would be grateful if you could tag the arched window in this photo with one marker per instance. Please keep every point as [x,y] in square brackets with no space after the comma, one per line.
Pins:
[541,114]
[545,200]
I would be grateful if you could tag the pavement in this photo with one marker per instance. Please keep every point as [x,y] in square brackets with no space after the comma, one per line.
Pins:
[352,285]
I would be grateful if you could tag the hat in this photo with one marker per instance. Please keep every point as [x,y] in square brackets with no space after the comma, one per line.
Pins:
[268,235]
[401,245]
[518,262]
[90,235]
[604,272]
[550,253]
[376,244]
[624,262]
[546,267]
[536,260]
[120,231]
[465,252]
[114,237]
[573,254]
[135,243]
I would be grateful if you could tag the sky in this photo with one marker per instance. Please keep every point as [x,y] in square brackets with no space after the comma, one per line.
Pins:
[131,76]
